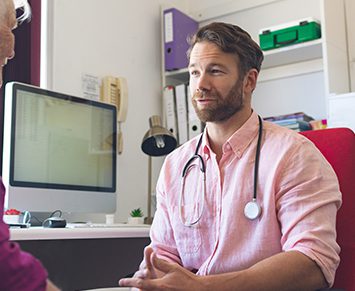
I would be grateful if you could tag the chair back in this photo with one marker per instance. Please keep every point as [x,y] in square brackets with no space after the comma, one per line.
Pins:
[338,147]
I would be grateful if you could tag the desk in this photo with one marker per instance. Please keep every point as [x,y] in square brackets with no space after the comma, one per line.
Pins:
[85,258]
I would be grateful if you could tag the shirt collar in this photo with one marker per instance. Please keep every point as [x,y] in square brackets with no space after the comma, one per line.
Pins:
[239,141]
[242,138]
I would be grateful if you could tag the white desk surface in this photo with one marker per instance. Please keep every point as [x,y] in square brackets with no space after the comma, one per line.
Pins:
[40,233]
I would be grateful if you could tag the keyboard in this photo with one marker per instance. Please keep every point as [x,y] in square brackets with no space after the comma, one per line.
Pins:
[104,225]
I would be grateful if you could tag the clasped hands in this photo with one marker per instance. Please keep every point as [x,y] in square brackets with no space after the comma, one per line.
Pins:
[158,274]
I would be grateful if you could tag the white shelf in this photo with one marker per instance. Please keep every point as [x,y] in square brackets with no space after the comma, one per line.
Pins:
[283,62]
[293,54]
[291,70]
[177,76]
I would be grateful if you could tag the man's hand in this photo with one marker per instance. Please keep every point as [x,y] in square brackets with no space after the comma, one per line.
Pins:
[146,269]
[171,276]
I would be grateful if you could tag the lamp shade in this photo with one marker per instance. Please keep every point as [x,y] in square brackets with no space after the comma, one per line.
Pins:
[158,141]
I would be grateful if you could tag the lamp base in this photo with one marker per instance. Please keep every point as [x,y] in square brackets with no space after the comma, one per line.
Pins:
[148,220]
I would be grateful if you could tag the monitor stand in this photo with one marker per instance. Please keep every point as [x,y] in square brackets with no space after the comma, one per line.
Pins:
[37,218]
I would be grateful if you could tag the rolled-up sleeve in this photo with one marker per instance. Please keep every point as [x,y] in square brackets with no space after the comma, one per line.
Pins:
[307,209]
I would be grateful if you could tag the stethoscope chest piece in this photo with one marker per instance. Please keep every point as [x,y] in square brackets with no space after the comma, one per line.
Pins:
[252,210]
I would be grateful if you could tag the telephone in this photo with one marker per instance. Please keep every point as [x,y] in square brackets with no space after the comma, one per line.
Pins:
[114,90]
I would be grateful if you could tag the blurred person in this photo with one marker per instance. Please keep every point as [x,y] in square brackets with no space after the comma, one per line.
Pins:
[18,270]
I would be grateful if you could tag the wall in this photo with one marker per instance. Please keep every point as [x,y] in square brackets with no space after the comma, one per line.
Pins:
[350,18]
[203,10]
[112,38]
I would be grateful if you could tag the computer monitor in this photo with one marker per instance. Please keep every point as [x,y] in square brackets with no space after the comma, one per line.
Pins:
[59,152]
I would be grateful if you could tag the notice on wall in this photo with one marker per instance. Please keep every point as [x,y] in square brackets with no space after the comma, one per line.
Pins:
[90,86]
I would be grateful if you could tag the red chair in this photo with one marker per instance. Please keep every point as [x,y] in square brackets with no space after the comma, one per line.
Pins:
[338,147]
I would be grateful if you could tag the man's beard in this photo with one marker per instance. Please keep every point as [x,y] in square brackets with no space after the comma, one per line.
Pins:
[223,108]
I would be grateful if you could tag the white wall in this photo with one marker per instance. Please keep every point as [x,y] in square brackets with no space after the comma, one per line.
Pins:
[203,10]
[350,18]
[111,37]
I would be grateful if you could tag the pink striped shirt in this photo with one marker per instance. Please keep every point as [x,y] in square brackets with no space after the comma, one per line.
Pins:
[297,190]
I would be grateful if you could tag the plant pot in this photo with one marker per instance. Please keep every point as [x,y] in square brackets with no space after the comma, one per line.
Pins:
[135,220]
[9,219]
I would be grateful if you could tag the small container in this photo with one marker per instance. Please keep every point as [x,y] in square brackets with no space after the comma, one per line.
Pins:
[110,218]
[11,219]
[135,220]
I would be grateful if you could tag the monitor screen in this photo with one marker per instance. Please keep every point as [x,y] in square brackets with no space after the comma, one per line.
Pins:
[59,151]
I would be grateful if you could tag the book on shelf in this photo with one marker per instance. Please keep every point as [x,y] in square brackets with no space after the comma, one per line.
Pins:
[179,115]
[194,123]
[170,109]
[292,116]
[298,121]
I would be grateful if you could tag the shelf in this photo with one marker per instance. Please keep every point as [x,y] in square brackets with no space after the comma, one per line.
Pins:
[176,77]
[293,54]
[278,63]
[291,70]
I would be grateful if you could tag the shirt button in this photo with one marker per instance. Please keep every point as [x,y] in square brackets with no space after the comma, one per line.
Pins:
[239,154]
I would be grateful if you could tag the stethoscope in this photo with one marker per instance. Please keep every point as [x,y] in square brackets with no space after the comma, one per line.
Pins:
[252,209]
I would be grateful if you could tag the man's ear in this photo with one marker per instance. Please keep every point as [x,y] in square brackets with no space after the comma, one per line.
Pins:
[249,82]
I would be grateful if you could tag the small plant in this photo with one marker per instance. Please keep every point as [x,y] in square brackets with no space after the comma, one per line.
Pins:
[136,212]
[12,211]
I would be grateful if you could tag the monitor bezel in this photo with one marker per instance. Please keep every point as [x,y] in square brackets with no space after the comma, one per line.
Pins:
[35,90]
[42,198]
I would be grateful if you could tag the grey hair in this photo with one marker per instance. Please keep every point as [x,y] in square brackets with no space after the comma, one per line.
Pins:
[26,10]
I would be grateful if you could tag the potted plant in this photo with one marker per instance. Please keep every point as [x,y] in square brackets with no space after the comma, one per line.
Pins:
[136,216]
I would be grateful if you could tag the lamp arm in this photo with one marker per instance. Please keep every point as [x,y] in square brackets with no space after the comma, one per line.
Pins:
[149,201]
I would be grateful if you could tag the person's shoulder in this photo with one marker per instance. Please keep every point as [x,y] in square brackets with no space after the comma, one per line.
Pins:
[280,134]
[281,141]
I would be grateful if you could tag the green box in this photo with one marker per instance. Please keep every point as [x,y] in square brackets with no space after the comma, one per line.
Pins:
[304,31]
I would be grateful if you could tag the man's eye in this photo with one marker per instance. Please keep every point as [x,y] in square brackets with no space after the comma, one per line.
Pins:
[216,71]
[193,73]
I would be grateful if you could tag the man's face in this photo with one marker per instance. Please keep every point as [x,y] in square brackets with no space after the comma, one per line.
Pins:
[215,83]
[7,40]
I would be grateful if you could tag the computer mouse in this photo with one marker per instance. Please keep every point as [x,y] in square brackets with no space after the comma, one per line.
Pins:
[55,222]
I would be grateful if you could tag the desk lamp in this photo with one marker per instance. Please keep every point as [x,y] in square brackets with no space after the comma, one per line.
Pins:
[158,141]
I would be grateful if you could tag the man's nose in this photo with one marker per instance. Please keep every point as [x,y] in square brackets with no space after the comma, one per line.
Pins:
[203,82]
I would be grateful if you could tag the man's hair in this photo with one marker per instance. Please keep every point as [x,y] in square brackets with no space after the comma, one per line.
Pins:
[231,39]
[26,10]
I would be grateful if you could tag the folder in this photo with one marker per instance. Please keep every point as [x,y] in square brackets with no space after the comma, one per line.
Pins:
[169,109]
[194,124]
[181,112]
[177,28]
